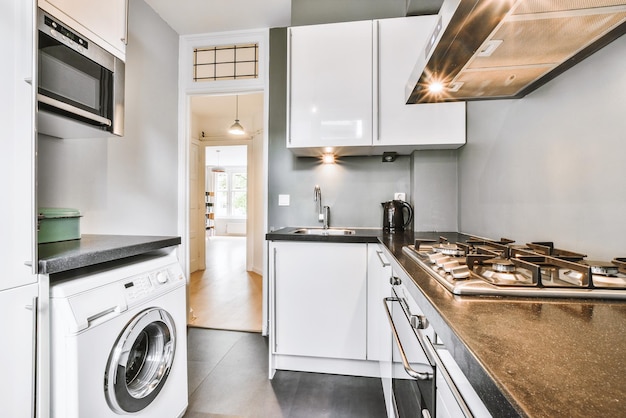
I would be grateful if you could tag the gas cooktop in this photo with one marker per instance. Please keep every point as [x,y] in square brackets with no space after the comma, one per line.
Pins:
[485,267]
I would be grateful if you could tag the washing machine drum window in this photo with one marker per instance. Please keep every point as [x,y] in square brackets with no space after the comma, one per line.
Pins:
[140,361]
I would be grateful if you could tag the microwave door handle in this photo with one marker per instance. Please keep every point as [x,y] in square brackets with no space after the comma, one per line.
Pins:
[73,109]
[405,362]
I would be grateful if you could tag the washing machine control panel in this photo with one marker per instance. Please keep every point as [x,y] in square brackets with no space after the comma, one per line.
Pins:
[152,283]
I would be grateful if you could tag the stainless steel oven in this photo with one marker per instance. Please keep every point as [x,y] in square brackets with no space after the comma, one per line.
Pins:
[413,373]
[80,85]
[423,374]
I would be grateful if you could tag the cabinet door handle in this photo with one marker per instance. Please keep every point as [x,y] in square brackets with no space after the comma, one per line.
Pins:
[405,362]
[124,39]
[288,115]
[384,262]
[33,309]
[375,80]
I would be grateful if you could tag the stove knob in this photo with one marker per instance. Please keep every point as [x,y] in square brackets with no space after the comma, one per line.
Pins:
[395,281]
[419,322]
[161,277]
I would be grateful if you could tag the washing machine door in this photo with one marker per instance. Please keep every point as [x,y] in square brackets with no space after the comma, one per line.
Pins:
[140,361]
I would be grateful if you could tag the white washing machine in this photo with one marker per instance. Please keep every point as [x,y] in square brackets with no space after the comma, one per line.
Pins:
[119,341]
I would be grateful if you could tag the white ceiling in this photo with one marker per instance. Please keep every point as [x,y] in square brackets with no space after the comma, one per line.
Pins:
[215,114]
[229,155]
[205,16]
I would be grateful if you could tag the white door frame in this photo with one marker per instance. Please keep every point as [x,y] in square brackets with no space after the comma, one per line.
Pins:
[187,88]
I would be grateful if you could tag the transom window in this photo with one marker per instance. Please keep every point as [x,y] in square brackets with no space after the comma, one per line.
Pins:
[230,62]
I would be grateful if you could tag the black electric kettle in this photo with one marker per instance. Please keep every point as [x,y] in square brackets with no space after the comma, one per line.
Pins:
[393,215]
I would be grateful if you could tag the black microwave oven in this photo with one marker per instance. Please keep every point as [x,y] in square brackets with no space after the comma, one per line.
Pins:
[80,86]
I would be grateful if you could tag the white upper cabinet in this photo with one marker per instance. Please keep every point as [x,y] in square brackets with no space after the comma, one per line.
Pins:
[17,147]
[345,90]
[420,126]
[102,21]
[329,85]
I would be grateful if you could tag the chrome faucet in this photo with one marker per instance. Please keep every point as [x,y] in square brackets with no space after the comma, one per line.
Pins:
[323,212]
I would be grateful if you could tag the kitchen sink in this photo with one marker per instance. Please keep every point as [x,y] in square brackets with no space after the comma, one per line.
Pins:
[322,231]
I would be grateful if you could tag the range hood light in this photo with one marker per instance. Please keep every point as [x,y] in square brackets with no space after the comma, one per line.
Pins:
[435,87]
[328,158]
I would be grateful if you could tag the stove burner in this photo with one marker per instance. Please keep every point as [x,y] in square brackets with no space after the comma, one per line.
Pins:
[500,268]
[449,249]
[501,265]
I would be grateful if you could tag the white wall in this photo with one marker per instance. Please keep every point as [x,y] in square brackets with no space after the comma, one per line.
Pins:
[552,165]
[126,185]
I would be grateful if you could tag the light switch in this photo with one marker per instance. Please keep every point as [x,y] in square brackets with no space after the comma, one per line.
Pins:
[283,200]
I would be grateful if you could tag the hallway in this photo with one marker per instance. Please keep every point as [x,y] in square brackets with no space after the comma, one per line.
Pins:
[225,296]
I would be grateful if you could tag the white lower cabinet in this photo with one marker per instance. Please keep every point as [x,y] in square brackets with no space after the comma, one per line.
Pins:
[319,299]
[18,309]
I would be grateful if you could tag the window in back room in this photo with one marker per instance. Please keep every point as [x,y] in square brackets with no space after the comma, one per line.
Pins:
[231,193]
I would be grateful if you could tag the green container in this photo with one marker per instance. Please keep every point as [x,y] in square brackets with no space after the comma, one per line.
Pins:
[58,224]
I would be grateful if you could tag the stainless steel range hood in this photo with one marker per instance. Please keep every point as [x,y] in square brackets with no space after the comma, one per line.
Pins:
[496,49]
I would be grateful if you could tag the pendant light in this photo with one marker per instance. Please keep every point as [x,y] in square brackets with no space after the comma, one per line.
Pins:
[217,168]
[236,128]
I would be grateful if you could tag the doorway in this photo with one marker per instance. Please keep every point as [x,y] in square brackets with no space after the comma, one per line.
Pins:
[226,284]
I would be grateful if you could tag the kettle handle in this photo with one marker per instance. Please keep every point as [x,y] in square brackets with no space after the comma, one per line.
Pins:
[410,209]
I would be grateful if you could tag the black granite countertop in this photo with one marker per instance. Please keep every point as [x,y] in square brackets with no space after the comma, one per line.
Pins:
[529,357]
[90,250]
[361,235]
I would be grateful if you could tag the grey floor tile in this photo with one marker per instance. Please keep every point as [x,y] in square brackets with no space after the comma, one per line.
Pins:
[197,371]
[236,384]
[210,345]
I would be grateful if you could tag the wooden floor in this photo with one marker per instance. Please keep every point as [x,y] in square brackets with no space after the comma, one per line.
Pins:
[225,296]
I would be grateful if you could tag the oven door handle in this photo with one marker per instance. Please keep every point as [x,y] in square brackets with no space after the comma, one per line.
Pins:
[431,351]
[405,362]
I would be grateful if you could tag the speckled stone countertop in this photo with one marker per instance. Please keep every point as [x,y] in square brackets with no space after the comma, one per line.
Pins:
[90,250]
[529,357]
[361,235]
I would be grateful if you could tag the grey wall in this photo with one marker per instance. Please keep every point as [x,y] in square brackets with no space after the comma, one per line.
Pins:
[125,185]
[311,12]
[551,166]
[434,183]
[353,188]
